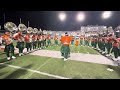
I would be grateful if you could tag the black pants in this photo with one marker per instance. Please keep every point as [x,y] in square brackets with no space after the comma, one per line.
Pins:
[9,48]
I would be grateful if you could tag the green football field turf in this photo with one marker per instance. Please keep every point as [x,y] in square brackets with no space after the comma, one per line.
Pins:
[69,69]
[74,49]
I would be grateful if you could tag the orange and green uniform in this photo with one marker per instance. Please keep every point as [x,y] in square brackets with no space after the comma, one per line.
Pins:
[65,49]
[100,43]
[92,41]
[115,49]
[81,40]
[39,38]
[109,44]
[77,41]
[86,41]
[56,40]
[28,42]
[8,45]
[48,40]
[43,41]
[20,42]
[34,43]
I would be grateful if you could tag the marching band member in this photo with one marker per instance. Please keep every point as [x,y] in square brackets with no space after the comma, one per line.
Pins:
[77,41]
[109,46]
[34,41]
[118,39]
[95,42]
[48,37]
[43,41]
[28,42]
[115,49]
[20,42]
[103,44]
[56,40]
[72,41]
[39,38]
[81,40]
[8,45]
[86,41]
[65,49]
[100,44]
[92,42]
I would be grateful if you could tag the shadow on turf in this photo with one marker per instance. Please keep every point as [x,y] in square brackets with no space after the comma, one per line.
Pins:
[19,72]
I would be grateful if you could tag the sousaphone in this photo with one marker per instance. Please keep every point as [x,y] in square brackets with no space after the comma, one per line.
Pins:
[10,26]
[22,27]
[35,30]
[29,30]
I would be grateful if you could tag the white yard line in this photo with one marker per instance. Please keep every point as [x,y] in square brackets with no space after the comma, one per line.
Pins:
[34,71]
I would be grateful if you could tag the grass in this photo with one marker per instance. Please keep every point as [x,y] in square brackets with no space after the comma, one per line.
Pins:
[74,49]
[70,69]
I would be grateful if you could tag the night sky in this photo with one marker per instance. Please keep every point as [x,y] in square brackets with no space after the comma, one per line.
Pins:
[49,20]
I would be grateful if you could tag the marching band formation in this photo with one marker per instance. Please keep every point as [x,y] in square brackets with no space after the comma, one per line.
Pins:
[33,39]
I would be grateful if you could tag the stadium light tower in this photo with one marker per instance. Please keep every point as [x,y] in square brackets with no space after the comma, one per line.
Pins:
[106,14]
[80,17]
[62,16]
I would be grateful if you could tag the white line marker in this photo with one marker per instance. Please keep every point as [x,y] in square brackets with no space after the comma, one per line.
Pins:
[35,71]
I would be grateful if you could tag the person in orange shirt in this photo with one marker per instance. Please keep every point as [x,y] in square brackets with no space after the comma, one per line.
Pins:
[77,41]
[28,42]
[34,41]
[43,41]
[39,38]
[8,45]
[65,49]
[48,40]
[115,49]
[20,42]
[56,40]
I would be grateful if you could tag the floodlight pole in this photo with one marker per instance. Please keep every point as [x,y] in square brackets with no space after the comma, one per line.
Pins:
[20,20]
[4,20]
[28,23]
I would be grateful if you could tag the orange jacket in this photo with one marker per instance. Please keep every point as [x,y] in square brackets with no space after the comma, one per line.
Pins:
[66,40]
[55,38]
[48,37]
[27,38]
[7,39]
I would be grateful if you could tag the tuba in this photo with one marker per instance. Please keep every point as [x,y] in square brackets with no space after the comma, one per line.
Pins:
[22,27]
[10,26]
[29,30]
[35,30]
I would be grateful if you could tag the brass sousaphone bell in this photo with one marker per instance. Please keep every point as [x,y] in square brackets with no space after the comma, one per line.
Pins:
[35,30]
[10,26]
[22,27]
[29,30]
